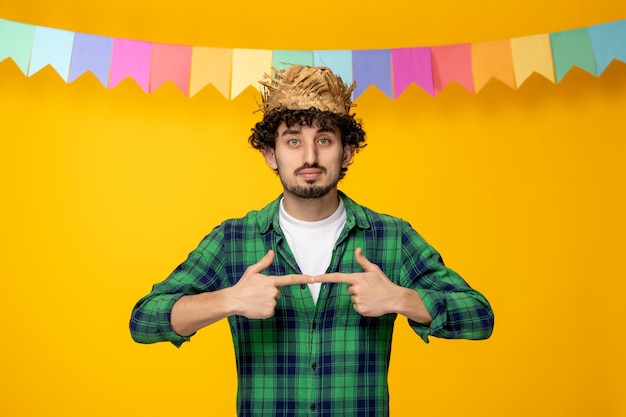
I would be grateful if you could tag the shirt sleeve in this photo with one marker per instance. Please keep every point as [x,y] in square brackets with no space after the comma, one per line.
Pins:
[458,311]
[202,271]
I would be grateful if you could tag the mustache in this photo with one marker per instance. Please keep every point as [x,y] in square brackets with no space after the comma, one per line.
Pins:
[308,166]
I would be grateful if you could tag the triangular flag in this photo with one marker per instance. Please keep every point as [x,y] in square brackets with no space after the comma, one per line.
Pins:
[372,67]
[249,65]
[532,54]
[492,60]
[285,59]
[211,66]
[91,53]
[170,63]
[412,65]
[131,59]
[609,43]
[340,62]
[569,48]
[452,63]
[52,47]
[191,68]
[16,42]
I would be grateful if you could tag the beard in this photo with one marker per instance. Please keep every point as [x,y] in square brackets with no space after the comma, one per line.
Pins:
[309,191]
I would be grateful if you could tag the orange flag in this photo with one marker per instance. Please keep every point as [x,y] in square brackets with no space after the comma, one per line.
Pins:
[211,66]
[492,60]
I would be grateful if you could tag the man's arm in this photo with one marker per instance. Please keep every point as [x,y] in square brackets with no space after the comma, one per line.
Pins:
[437,309]
[191,313]
[177,310]
[254,296]
[458,310]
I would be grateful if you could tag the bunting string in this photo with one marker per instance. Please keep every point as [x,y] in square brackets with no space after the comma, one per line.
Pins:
[231,71]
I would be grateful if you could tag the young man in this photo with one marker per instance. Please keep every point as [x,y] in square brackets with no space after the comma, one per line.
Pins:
[311,284]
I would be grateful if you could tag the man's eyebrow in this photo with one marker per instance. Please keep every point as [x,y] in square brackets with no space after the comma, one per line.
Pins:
[298,131]
[327,130]
[291,132]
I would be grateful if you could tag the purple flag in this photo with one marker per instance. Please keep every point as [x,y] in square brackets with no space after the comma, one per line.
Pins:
[91,53]
[372,67]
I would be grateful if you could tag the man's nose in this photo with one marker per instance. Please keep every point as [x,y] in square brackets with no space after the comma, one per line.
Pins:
[310,154]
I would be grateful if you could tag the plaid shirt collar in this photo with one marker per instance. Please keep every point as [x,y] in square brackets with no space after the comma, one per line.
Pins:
[268,216]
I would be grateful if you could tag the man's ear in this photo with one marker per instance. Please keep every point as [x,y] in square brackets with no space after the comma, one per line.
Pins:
[348,153]
[270,157]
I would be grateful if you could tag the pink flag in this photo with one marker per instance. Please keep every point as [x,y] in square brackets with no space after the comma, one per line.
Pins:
[452,63]
[171,63]
[412,65]
[131,59]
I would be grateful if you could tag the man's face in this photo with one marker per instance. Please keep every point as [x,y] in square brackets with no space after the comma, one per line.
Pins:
[308,159]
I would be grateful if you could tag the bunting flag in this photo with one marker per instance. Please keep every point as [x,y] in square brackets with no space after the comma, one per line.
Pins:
[572,48]
[492,60]
[392,70]
[339,61]
[210,66]
[51,47]
[248,65]
[16,42]
[531,54]
[372,68]
[412,65]
[452,63]
[287,58]
[131,59]
[608,42]
[91,53]
[171,63]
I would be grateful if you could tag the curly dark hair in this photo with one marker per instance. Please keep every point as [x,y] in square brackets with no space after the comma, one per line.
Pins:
[264,133]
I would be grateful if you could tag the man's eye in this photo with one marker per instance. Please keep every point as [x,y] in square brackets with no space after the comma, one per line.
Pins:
[293,142]
[324,141]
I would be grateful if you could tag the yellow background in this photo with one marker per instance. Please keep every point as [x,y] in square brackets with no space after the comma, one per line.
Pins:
[104,192]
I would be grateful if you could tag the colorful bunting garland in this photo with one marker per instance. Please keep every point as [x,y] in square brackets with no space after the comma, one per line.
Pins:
[191,68]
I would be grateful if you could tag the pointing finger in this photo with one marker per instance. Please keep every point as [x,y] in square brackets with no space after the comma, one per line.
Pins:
[292,279]
[336,277]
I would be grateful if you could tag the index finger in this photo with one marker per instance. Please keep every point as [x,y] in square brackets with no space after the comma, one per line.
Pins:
[335,277]
[292,279]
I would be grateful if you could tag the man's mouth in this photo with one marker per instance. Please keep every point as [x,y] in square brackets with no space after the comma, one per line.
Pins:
[310,173]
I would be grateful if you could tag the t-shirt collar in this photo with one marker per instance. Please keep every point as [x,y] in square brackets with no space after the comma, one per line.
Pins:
[268,216]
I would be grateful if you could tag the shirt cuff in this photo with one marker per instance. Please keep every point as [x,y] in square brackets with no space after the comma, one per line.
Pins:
[164,324]
[435,303]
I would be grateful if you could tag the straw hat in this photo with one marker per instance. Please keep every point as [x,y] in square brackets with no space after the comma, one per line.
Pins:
[301,87]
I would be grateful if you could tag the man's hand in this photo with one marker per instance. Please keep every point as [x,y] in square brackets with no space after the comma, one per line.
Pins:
[371,292]
[255,294]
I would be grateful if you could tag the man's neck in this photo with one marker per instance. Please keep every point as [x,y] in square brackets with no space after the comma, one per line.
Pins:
[311,209]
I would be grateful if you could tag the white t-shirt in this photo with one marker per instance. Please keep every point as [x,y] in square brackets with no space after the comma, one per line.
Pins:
[312,243]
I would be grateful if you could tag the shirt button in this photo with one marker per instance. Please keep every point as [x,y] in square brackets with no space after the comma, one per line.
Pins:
[302,286]
[313,407]
[314,325]
[314,365]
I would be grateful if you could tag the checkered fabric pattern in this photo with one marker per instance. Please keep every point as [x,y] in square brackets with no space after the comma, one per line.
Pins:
[319,359]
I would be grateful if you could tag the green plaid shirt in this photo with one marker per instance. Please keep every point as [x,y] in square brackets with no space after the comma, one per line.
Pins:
[319,359]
